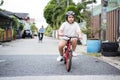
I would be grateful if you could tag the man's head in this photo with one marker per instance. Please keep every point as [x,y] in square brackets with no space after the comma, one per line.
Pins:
[70,17]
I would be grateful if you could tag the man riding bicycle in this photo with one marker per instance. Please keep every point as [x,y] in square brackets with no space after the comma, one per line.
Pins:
[41,33]
[70,28]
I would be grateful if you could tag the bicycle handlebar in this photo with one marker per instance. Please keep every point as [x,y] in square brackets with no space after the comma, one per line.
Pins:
[69,36]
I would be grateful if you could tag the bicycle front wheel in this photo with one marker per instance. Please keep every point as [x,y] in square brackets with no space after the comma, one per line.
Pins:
[69,61]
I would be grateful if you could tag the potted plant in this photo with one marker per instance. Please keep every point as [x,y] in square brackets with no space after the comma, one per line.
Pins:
[93,43]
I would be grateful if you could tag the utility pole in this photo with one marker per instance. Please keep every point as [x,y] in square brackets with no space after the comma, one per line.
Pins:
[92,22]
[104,18]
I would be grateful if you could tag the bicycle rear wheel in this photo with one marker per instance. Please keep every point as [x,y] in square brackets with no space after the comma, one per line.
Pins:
[69,61]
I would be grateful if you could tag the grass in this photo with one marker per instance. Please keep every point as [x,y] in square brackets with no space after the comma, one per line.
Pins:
[92,54]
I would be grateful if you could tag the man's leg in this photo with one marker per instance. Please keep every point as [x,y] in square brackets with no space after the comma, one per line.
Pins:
[41,36]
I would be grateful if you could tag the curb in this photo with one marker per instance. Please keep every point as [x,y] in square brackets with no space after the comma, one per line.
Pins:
[114,61]
[111,61]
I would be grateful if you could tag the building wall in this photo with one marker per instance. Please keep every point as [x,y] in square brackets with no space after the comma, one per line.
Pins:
[113,25]
[5,24]
[96,24]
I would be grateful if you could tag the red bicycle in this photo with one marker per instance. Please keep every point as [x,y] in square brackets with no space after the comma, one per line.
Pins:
[67,53]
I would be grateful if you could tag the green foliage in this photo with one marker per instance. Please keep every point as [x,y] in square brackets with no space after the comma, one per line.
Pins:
[92,54]
[21,27]
[80,6]
[71,8]
[34,28]
[1,32]
[89,31]
[48,31]
[56,17]
[15,25]
[86,16]
[54,12]
[15,22]
[14,33]
[48,11]
[1,3]
[86,31]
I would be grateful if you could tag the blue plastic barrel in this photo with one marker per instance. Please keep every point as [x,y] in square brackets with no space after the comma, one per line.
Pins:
[93,46]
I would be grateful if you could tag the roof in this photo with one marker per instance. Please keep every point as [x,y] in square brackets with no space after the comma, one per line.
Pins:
[21,15]
[5,14]
[18,15]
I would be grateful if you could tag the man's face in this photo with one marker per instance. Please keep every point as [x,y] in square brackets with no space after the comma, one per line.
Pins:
[70,19]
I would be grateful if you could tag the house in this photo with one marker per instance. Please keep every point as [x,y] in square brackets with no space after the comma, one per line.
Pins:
[21,16]
[112,29]
[24,19]
[6,24]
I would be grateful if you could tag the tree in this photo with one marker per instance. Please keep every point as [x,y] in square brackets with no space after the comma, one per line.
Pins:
[86,16]
[1,2]
[48,11]
[48,31]
[15,25]
[34,28]
[54,15]
[15,22]
[21,27]
[54,12]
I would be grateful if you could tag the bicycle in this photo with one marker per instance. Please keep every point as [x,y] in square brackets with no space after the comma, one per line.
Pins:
[40,37]
[67,53]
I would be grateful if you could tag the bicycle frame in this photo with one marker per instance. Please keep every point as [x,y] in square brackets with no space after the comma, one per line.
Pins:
[67,52]
[67,49]
[68,55]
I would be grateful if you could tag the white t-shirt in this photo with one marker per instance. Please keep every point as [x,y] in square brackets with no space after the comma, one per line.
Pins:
[70,29]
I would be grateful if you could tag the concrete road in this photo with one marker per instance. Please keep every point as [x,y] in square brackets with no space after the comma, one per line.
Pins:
[28,59]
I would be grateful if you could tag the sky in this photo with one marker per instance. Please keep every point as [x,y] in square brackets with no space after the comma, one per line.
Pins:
[33,7]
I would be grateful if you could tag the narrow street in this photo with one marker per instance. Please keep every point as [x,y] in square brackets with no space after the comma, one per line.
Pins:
[28,59]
